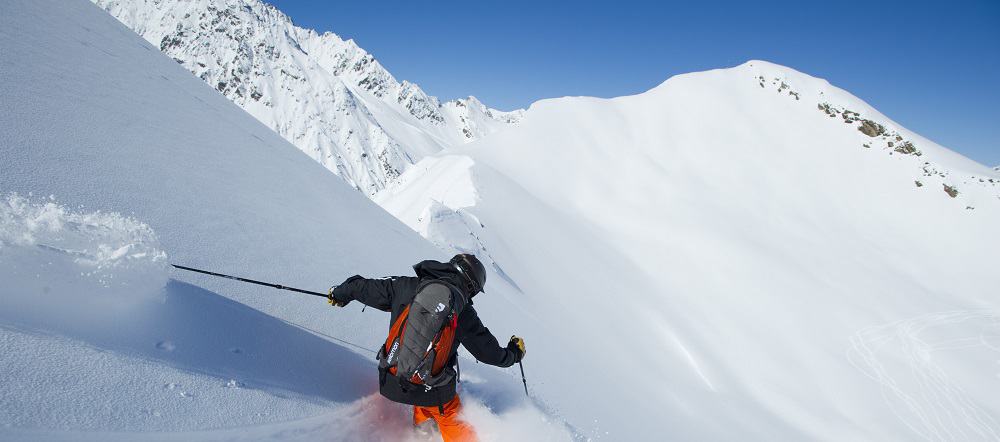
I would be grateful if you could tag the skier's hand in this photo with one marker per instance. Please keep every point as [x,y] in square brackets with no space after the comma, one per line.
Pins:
[516,345]
[340,295]
[333,300]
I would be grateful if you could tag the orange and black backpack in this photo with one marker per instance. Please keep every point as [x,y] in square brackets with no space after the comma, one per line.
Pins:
[413,362]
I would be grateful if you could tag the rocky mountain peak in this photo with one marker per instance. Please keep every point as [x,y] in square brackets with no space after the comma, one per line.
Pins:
[324,94]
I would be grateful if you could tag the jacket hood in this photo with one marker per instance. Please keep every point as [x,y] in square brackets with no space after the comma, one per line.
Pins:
[441,270]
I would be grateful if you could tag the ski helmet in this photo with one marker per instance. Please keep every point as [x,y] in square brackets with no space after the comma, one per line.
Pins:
[473,271]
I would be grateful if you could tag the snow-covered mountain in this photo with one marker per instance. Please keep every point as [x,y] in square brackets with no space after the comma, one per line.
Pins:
[327,96]
[739,254]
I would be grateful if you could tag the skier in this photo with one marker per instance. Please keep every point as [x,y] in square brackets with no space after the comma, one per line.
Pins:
[418,364]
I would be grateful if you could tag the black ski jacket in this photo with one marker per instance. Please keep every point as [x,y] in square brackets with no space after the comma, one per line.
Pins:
[393,294]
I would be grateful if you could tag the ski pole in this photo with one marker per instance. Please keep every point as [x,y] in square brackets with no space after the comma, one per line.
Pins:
[525,381]
[251,281]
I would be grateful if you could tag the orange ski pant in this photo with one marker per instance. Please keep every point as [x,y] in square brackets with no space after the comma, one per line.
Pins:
[452,428]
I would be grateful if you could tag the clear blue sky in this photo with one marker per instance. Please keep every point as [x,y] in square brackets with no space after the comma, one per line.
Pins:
[931,66]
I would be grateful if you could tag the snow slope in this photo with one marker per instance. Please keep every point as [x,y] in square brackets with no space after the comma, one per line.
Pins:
[745,253]
[115,161]
[326,95]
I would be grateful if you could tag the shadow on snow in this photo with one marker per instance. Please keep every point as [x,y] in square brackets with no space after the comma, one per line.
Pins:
[200,331]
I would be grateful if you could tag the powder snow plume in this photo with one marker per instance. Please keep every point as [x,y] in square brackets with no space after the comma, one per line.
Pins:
[64,266]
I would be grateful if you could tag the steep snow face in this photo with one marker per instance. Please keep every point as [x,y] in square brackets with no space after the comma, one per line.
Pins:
[325,95]
[746,253]
[113,158]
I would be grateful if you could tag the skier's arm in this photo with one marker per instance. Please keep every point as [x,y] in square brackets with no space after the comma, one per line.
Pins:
[478,340]
[376,293]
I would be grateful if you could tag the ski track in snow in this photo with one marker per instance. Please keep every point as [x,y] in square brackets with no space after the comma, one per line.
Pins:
[936,406]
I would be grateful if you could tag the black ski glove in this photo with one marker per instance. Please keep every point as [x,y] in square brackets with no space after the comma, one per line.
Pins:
[516,346]
[339,295]
[332,300]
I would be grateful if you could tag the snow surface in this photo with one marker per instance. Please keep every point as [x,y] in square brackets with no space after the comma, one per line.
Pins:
[115,160]
[326,95]
[721,259]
